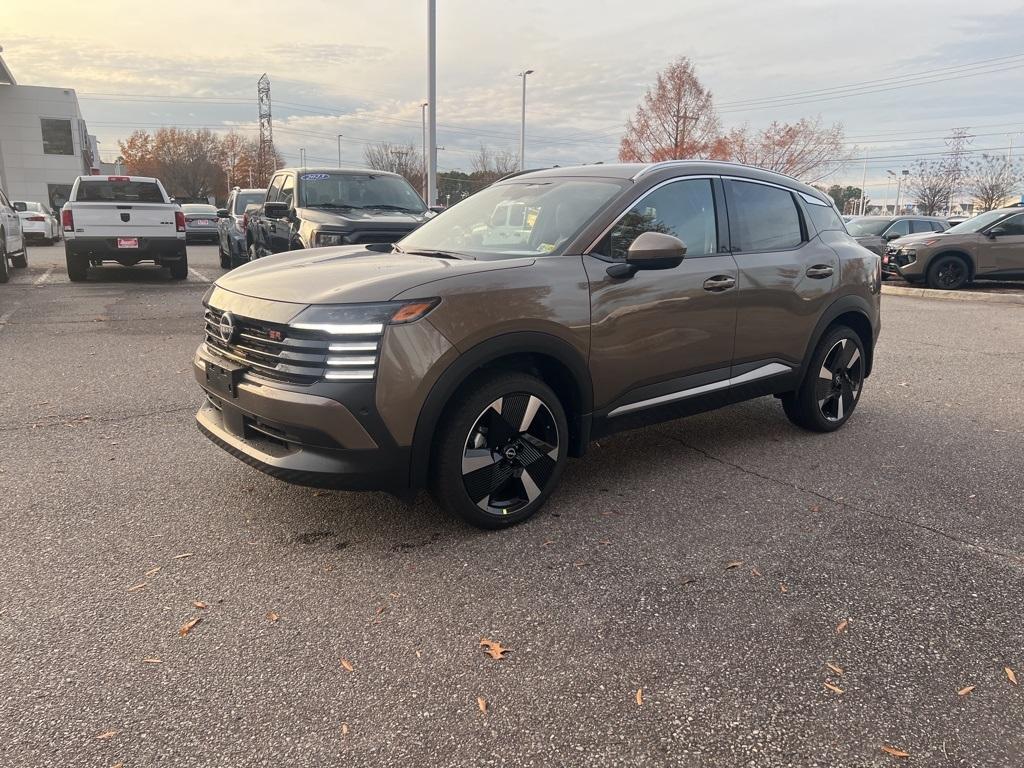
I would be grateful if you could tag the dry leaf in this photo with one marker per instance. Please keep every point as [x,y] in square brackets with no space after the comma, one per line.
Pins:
[841,626]
[965,691]
[188,626]
[347,665]
[183,555]
[320,493]
[816,508]
[639,697]
[152,660]
[482,703]
[271,616]
[117,765]
[1010,675]
[493,649]
[137,587]
[419,654]
[153,571]
[200,605]
[344,729]
[834,688]
[895,752]
[107,735]
[835,668]
[733,564]
[782,588]
[754,572]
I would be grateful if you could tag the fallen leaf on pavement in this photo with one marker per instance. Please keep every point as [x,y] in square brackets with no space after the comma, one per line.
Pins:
[895,752]
[107,735]
[419,654]
[137,587]
[271,616]
[153,571]
[183,555]
[834,688]
[733,564]
[347,665]
[200,605]
[816,508]
[783,589]
[344,729]
[754,572]
[835,668]
[1010,675]
[493,649]
[639,697]
[841,626]
[320,493]
[188,626]
[965,691]
[152,660]
[482,703]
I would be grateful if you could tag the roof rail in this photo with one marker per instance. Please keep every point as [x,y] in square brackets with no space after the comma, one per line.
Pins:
[520,173]
[670,163]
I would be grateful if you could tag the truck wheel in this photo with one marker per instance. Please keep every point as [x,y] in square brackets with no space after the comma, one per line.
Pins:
[78,266]
[832,384]
[179,268]
[5,272]
[21,261]
[501,451]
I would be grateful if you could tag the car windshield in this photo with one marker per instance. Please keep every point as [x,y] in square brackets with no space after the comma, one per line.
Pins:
[976,224]
[517,218]
[861,227]
[248,198]
[358,190]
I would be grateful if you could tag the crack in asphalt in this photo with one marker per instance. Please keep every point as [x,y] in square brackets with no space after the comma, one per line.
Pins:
[86,419]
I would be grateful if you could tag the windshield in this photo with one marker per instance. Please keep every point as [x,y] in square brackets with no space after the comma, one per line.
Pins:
[976,224]
[248,198]
[358,190]
[199,208]
[21,207]
[516,218]
[861,227]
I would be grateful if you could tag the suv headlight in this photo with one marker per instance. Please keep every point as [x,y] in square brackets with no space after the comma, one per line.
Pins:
[361,319]
[321,239]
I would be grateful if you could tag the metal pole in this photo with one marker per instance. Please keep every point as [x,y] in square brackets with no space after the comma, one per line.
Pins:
[339,150]
[423,114]
[888,186]
[522,124]
[863,182]
[432,102]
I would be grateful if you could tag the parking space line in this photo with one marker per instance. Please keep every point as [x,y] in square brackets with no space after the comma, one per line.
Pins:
[199,275]
[44,277]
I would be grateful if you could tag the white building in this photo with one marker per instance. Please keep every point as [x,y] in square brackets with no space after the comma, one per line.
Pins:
[44,143]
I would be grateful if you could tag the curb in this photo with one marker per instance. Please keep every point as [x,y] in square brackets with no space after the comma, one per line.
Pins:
[928,293]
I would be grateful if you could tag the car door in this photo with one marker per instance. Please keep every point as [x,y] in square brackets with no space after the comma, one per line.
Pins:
[1006,249]
[264,232]
[786,274]
[224,224]
[11,225]
[660,335]
[281,230]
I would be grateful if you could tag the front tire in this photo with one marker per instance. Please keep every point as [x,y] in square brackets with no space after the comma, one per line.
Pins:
[5,271]
[501,451]
[832,385]
[948,273]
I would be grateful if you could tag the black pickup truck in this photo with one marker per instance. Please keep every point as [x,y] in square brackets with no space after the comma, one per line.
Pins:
[317,207]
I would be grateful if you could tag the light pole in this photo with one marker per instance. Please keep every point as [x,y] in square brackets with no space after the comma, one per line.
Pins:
[905,178]
[522,126]
[339,150]
[899,188]
[888,186]
[432,102]
[863,183]
[423,114]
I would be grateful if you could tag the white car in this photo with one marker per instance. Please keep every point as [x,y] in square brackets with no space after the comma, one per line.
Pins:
[37,221]
[12,243]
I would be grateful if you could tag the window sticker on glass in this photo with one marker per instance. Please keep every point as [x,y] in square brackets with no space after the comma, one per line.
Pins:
[315,176]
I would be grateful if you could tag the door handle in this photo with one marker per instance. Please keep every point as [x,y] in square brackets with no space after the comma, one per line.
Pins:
[819,271]
[719,283]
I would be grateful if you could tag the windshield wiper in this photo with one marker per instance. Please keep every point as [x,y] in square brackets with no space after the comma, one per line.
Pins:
[439,254]
[335,205]
[384,207]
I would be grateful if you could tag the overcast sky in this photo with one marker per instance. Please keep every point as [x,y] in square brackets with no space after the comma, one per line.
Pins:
[358,68]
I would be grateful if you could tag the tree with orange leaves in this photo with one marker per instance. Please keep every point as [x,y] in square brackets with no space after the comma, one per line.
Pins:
[806,149]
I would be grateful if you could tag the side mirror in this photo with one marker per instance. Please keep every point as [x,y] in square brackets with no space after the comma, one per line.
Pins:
[892,235]
[275,210]
[437,208]
[650,250]
[222,213]
[996,232]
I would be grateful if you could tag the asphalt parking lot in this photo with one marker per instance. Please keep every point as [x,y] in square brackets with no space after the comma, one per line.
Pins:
[678,601]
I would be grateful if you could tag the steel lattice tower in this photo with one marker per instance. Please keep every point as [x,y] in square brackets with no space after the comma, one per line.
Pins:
[266,161]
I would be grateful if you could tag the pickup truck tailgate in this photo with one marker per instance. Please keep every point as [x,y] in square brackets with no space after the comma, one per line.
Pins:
[124,219]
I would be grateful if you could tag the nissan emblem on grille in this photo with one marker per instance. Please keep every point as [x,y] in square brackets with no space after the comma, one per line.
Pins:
[226,327]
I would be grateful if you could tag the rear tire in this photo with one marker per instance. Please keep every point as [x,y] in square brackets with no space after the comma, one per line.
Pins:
[500,451]
[20,262]
[832,384]
[78,266]
[948,273]
[179,268]
[225,258]
[5,271]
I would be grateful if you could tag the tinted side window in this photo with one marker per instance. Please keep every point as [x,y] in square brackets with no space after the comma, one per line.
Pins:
[274,193]
[288,189]
[920,225]
[899,228]
[685,209]
[1013,225]
[824,217]
[762,218]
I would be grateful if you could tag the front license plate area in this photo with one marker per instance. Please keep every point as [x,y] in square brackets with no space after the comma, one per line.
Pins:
[127,242]
[224,379]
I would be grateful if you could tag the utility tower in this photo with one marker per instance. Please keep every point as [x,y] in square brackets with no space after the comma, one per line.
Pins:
[955,162]
[266,159]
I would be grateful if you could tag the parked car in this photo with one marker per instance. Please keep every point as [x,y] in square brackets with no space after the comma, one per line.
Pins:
[954,220]
[127,219]
[311,208]
[875,232]
[477,365]
[232,226]
[201,223]
[989,245]
[37,222]
[12,242]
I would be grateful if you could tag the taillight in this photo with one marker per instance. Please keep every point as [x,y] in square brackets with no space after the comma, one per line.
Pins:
[122,179]
[245,221]
[67,220]
[179,221]
[36,218]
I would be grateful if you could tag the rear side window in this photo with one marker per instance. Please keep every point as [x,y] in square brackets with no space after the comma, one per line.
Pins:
[920,225]
[119,191]
[899,228]
[685,209]
[762,218]
[243,199]
[1013,225]
[824,217]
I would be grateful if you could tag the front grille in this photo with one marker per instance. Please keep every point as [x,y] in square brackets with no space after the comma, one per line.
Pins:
[282,353]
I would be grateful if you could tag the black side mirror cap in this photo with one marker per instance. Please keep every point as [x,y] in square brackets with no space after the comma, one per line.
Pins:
[275,210]
[995,232]
[437,208]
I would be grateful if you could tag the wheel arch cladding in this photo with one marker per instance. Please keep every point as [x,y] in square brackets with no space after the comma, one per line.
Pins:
[852,311]
[549,358]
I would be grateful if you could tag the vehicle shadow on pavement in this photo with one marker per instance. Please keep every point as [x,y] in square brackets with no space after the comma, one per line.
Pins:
[139,274]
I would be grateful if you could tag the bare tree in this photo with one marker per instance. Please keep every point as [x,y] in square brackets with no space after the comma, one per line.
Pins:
[805,149]
[405,159]
[490,165]
[992,179]
[676,119]
[931,186]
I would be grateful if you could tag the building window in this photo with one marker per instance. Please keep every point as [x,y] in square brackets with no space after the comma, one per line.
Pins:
[57,138]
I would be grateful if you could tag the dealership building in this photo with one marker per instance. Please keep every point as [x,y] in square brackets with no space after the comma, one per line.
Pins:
[44,143]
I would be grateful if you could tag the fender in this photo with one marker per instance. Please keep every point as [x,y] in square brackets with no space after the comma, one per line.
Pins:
[477,357]
[842,305]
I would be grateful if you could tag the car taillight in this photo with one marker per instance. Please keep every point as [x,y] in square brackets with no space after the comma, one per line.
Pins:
[67,220]
[36,218]
[121,179]
[179,221]
[245,221]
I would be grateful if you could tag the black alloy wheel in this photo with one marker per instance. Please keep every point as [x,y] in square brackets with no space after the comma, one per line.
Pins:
[948,273]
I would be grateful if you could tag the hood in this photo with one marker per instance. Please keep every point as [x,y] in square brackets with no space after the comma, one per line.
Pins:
[347,274]
[343,218]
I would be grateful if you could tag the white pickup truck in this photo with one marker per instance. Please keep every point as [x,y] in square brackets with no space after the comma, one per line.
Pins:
[127,219]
